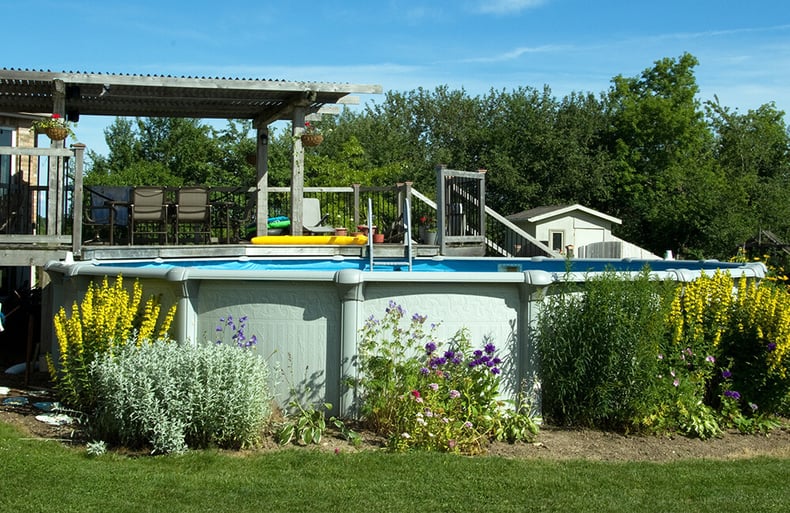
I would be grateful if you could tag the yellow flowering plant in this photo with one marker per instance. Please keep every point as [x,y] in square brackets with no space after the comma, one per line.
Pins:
[108,318]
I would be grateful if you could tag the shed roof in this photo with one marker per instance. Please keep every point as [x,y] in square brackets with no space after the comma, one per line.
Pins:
[538,214]
[105,94]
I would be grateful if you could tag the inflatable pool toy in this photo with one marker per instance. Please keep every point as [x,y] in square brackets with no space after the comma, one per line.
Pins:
[275,226]
[310,240]
[278,222]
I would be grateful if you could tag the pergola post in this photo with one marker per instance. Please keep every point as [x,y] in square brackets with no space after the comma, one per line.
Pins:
[262,188]
[297,170]
[56,165]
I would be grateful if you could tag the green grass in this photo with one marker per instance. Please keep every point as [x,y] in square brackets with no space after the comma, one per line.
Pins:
[43,476]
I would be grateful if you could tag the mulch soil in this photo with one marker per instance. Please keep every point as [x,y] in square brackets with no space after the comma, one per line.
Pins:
[552,443]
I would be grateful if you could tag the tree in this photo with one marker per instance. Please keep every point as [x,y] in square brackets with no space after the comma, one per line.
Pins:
[667,190]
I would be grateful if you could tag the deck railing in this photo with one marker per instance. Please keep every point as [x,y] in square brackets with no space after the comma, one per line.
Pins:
[37,208]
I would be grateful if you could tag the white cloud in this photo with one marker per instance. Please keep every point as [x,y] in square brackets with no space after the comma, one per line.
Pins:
[507,6]
[518,52]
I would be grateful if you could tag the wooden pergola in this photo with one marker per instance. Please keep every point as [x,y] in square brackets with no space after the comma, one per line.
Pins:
[76,94]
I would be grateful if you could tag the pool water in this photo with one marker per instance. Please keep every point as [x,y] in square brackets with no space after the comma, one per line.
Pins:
[483,265]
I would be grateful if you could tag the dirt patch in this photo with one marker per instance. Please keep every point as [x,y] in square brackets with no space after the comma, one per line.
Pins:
[552,443]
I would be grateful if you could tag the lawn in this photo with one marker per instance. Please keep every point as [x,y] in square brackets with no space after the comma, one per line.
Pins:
[44,476]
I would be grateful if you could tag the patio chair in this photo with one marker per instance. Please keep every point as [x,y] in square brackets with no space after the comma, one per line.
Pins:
[312,219]
[149,213]
[108,208]
[193,209]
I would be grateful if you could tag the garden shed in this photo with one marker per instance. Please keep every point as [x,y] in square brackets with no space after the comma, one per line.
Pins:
[582,230]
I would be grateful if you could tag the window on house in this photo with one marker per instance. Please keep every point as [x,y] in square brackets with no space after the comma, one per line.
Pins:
[557,240]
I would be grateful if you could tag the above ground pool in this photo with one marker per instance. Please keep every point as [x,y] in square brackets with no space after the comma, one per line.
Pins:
[307,313]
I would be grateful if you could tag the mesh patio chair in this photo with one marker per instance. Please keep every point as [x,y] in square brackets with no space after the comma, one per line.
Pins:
[193,209]
[149,213]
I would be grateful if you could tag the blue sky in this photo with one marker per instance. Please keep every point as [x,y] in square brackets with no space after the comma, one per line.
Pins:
[478,45]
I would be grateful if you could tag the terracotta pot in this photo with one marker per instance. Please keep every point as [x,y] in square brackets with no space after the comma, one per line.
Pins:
[341,232]
[378,238]
[364,229]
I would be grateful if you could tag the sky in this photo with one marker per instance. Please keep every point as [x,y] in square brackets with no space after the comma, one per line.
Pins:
[569,46]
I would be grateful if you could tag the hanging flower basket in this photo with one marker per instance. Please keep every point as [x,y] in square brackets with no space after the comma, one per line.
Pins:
[57,133]
[56,127]
[312,139]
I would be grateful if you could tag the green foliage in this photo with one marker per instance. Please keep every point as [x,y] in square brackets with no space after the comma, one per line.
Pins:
[170,398]
[597,350]
[108,318]
[693,359]
[304,425]
[423,397]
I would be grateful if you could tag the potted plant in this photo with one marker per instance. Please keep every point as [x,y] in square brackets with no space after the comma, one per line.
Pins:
[427,230]
[56,127]
[311,135]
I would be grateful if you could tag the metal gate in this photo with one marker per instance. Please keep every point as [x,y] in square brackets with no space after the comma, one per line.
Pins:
[460,199]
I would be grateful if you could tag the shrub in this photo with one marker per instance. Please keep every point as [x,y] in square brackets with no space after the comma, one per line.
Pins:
[757,346]
[423,397]
[108,318]
[727,351]
[171,397]
[597,349]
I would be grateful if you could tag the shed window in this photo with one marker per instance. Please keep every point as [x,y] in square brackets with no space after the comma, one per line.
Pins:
[557,240]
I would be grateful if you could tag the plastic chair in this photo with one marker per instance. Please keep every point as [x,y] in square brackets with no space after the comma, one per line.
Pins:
[312,219]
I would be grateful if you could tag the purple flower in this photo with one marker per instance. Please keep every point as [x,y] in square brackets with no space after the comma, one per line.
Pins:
[726,374]
[771,346]
[433,386]
[753,406]
[496,360]
[430,347]
[456,360]
[489,348]
[478,353]
[420,319]
[455,394]
[495,370]
[732,394]
[425,371]
[710,359]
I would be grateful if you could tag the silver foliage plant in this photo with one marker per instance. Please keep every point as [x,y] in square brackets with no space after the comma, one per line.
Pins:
[173,397]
